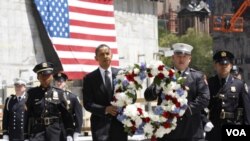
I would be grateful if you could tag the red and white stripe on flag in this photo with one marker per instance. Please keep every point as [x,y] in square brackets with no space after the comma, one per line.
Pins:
[76,28]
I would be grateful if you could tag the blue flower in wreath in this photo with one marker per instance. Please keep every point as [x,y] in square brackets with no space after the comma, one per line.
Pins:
[184,107]
[142,75]
[125,83]
[121,117]
[140,129]
[158,110]
[176,110]
[143,67]
[180,92]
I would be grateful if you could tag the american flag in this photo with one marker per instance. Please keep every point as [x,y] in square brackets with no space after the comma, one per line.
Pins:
[76,28]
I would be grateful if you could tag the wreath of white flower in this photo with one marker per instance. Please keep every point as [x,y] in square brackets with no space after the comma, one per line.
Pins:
[164,118]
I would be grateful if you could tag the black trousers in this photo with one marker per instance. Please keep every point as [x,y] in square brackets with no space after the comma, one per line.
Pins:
[50,133]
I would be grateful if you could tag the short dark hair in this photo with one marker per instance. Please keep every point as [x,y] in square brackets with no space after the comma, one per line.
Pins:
[100,46]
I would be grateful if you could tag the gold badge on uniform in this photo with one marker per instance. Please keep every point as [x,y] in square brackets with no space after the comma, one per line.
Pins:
[55,95]
[233,89]
[223,54]
[44,65]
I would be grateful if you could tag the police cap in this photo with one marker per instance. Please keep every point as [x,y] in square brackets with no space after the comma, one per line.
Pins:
[19,81]
[223,57]
[236,70]
[182,48]
[60,77]
[44,68]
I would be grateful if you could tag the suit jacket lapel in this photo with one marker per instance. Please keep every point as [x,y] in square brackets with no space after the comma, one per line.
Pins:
[100,82]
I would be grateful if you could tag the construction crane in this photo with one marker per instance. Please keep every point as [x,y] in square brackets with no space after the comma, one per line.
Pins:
[231,22]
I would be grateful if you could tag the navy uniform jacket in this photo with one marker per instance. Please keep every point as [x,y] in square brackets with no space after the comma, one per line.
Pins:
[228,98]
[14,118]
[190,125]
[47,103]
[96,98]
[75,108]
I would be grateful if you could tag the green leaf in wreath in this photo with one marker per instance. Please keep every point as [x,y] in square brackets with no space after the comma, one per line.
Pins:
[181,80]
[157,81]
[137,66]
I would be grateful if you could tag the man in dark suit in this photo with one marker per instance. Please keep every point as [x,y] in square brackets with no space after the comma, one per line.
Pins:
[47,108]
[229,104]
[97,95]
[74,105]
[14,114]
[189,127]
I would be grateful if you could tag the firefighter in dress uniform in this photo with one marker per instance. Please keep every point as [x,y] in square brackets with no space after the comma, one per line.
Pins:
[189,127]
[14,113]
[47,108]
[229,103]
[74,105]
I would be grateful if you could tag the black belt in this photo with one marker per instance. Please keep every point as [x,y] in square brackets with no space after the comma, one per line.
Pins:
[47,120]
[226,115]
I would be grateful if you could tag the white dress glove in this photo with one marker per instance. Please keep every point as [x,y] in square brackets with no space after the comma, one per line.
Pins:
[6,137]
[69,138]
[76,135]
[26,140]
[208,127]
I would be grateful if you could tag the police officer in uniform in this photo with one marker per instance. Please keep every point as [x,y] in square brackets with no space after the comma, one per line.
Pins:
[237,72]
[229,100]
[74,106]
[189,127]
[14,113]
[47,108]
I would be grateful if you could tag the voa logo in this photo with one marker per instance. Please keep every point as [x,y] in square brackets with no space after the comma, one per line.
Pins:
[236,132]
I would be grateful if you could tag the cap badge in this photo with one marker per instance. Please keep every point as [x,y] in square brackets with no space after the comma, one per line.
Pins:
[223,54]
[44,65]
[59,74]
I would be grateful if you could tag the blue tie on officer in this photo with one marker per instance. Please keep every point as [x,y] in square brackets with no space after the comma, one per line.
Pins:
[229,103]
[47,108]
[14,113]
[74,105]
